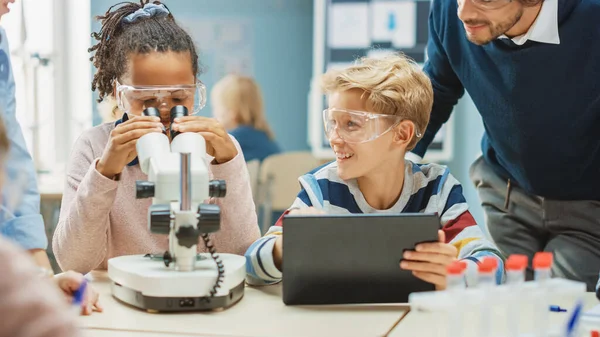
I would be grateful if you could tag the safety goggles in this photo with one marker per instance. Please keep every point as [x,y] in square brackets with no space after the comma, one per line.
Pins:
[358,126]
[134,99]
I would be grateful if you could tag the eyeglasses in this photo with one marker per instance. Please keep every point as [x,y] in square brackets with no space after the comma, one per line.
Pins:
[134,99]
[358,126]
[490,4]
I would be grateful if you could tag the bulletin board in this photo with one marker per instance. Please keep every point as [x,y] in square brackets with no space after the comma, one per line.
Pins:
[345,30]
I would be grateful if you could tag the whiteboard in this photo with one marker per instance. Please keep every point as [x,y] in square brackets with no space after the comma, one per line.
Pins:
[345,30]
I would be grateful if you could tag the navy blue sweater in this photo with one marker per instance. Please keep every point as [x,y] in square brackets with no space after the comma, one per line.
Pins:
[540,103]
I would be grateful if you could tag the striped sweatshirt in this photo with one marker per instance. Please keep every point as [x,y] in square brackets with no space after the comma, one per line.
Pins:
[427,189]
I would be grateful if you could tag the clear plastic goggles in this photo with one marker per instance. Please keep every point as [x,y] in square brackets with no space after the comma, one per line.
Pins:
[357,126]
[134,99]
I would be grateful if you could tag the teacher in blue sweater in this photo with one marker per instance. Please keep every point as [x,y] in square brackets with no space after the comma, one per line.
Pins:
[532,68]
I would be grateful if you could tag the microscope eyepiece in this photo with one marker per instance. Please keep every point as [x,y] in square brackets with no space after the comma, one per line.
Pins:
[151,112]
[177,111]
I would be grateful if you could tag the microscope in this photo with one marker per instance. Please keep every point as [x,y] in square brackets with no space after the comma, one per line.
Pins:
[178,183]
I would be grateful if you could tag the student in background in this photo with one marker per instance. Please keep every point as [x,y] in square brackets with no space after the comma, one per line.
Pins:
[238,104]
[145,57]
[31,304]
[20,218]
[377,111]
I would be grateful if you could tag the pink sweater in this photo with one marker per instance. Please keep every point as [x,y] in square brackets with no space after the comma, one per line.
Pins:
[100,218]
[30,306]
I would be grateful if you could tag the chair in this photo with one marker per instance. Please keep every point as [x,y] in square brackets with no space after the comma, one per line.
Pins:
[278,181]
[253,171]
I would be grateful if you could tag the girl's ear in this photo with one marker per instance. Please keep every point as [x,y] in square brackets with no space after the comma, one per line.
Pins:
[404,132]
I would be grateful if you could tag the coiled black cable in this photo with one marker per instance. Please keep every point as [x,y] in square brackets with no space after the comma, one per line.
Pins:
[220,267]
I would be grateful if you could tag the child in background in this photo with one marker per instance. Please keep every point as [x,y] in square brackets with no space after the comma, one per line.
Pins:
[30,305]
[237,103]
[377,111]
[147,60]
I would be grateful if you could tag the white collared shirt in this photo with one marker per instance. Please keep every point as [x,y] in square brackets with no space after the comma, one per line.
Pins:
[545,27]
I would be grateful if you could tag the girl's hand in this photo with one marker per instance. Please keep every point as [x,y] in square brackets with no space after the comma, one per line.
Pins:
[120,149]
[218,143]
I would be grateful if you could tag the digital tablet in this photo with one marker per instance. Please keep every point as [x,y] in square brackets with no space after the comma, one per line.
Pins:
[352,259]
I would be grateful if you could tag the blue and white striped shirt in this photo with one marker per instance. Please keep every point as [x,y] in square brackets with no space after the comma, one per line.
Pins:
[427,189]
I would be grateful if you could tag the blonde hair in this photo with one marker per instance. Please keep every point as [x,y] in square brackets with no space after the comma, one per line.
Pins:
[393,85]
[241,96]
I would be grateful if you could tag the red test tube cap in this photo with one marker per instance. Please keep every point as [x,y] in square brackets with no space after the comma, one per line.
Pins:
[517,262]
[456,267]
[595,333]
[543,260]
[488,265]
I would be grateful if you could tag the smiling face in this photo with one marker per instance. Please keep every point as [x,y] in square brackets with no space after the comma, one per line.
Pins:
[485,25]
[359,159]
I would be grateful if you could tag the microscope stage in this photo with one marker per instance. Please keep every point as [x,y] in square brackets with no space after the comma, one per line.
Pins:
[148,284]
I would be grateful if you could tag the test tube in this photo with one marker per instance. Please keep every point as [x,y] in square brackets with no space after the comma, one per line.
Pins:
[515,268]
[487,282]
[487,272]
[515,276]
[542,263]
[455,275]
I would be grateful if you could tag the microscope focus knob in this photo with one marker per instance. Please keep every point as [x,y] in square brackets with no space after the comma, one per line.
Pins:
[187,236]
[217,188]
[144,189]
[209,218]
[160,219]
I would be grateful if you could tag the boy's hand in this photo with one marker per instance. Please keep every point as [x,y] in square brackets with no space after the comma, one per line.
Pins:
[278,252]
[218,143]
[278,248]
[428,262]
[69,282]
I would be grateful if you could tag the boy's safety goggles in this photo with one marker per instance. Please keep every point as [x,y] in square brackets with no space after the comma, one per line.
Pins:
[358,126]
[134,99]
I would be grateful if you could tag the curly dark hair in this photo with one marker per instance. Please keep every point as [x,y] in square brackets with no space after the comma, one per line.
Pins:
[118,39]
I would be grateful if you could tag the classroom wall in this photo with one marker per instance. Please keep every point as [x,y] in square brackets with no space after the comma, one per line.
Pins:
[277,39]
[281,55]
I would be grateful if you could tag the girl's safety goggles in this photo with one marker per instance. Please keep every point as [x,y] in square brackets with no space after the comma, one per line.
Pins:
[134,99]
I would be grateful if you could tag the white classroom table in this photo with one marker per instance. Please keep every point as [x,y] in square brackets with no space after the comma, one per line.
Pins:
[261,313]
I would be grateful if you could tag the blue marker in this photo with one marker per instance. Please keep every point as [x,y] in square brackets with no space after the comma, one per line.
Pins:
[78,296]
[573,323]
[556,308]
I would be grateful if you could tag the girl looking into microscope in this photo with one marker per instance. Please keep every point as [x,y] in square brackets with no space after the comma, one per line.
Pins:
[143,59]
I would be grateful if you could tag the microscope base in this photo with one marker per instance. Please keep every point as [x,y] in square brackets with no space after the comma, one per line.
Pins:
[149,285]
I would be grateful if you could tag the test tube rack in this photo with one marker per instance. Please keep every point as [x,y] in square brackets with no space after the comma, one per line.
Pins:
[510,310]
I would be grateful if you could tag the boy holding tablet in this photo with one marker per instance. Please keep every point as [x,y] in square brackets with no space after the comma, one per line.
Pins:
[378,110]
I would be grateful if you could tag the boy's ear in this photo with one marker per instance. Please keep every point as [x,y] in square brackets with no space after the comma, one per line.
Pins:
[404,132]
